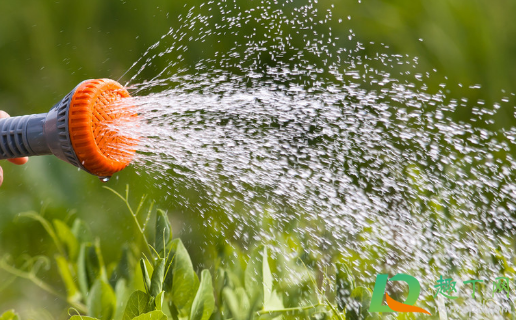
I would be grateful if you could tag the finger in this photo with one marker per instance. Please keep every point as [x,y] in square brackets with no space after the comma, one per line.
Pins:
[1,176]
[19,161]
[3,114]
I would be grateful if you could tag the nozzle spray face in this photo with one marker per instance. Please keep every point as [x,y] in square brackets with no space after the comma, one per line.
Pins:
[82,129]
[96,110]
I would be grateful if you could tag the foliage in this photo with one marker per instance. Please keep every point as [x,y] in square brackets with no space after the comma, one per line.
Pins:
[151,284]
[47,48]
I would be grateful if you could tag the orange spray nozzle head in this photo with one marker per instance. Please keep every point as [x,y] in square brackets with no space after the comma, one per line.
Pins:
[98,109]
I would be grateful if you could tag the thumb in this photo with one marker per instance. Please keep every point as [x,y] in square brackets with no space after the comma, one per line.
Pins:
[1,176]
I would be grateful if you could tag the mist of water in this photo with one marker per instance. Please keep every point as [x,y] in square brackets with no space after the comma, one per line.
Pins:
[327,142]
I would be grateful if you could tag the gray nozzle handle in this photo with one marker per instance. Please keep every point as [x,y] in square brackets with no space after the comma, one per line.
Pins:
[39,134]
[23,136]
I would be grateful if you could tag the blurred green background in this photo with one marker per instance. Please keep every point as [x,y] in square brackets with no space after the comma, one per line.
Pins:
[47,47]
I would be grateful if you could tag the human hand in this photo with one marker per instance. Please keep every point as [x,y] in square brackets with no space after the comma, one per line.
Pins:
[23,160]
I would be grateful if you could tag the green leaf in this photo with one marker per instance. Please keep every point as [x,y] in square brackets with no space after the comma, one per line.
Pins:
[9,315]
[122,296]
[89,266]
[66,237]
[158,302]
[138,303]
[345,284]
[154,315]
[98,260]
[185,282]
[122,269]
[137,276]
[157,277]
[82,271]
[254,275]
[204,302]
[173,311]
[168,283]
[163,232]
[258,277]
[81,231]
[101,301]
[82,318]
[145,274]
[274,302]
[93,265]
[231,301]
[270,302]
[65,271]
[359,305]
[237,302]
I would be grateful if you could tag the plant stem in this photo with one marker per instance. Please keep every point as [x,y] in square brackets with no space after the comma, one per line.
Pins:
[333,309]
[40,283]
[126,201]
[147,246]
[47,226]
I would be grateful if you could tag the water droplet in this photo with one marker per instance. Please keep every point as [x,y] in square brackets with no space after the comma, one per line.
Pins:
[104,179]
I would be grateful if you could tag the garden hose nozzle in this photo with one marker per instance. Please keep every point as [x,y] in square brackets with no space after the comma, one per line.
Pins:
[81,129]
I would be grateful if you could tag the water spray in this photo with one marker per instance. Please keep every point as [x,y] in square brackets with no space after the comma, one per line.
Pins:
[79,130]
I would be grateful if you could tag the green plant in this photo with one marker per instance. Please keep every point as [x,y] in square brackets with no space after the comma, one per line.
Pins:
[156,280]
